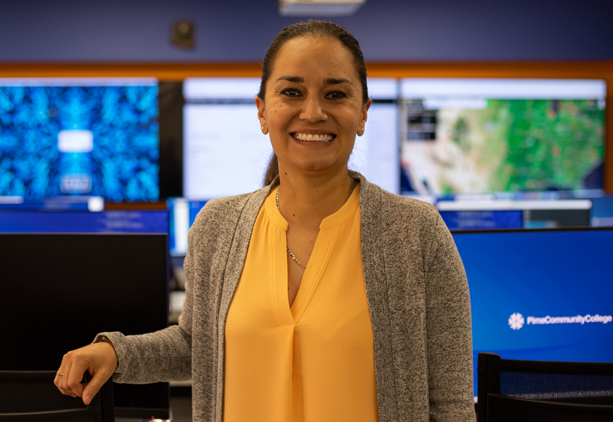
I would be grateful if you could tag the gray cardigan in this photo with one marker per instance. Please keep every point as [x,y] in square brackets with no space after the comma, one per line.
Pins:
[417,295]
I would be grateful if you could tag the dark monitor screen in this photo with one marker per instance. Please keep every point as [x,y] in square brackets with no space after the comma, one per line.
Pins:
[59,290]
[540,294]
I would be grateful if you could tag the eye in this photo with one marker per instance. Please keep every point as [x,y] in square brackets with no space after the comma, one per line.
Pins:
[291,92]
[336,95]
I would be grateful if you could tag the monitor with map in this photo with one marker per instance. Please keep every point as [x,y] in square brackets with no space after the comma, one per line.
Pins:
[483,136]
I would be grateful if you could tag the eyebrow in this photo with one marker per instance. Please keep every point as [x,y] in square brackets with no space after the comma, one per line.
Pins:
[334,81]
[300,80]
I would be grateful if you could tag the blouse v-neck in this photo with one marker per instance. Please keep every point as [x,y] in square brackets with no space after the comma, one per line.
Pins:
[322,250]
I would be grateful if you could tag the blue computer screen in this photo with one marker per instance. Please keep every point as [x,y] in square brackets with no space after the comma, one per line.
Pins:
[84,222]
[79,137]
[601,214]
[541,294]
[182,213]
[484,219]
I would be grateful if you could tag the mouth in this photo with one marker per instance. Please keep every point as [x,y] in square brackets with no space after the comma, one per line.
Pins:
[313,137]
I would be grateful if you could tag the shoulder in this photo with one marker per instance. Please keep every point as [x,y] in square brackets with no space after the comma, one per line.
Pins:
[400,222]
[221,215]
[394,210]
[399,208]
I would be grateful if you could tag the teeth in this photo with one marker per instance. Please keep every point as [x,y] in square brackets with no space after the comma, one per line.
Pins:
[313,138]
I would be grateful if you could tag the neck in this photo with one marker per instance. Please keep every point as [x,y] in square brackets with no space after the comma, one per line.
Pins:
[305,200]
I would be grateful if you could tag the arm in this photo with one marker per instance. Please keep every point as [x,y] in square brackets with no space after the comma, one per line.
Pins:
[160,356]
[448,329]
[163,355]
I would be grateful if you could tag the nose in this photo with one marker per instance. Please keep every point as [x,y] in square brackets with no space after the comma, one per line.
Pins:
[312,110]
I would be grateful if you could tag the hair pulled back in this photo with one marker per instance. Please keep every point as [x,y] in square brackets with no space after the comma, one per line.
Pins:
[316,29]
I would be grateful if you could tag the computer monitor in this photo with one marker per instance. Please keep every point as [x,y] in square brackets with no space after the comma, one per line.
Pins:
[182,214]
[375,154]
[483,219]
[59,290]
[540,294]
[79,136]
[112,221]
[225,152]
[601,214]
[476,136]
[492,214]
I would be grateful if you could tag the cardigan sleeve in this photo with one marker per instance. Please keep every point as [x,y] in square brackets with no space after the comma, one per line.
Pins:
[448,329]
[160,356]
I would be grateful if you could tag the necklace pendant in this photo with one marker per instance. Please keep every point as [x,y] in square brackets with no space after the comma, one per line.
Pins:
[289,251]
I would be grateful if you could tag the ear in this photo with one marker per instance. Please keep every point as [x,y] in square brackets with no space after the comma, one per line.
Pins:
[262,114]
[364,116]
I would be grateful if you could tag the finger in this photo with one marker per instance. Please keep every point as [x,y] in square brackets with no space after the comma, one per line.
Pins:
[75,375]
[88,393]
[59,379]
[65,371]
[92,387]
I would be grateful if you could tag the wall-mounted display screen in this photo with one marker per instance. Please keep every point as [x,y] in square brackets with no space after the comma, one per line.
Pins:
[540,294]
[501,135]
[113,221]
[76,136]
[375,154]
[467,215]
[182,213]
[225,152]
[601,214]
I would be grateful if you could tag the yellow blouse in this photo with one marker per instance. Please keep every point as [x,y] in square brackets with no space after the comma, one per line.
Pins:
[313,362]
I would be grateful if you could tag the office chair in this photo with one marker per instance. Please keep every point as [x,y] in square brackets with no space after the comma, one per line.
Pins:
[32,396]
[538,391]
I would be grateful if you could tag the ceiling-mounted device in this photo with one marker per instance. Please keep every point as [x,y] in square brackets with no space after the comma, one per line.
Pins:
[319,8]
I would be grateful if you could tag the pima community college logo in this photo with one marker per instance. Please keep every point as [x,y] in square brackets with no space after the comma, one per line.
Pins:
[516,321]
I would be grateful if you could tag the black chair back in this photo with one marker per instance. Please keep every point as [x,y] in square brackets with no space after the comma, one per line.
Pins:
[521,387]
[31,395]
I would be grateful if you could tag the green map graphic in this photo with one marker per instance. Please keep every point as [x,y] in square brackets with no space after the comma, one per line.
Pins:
[511,145]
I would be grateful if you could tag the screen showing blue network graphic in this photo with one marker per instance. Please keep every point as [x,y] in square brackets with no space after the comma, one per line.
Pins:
[79,137]
[540,294]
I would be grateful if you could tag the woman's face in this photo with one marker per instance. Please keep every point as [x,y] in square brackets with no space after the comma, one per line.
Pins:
[313,107]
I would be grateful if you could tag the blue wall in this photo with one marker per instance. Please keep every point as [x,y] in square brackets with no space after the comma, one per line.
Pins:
[241,30]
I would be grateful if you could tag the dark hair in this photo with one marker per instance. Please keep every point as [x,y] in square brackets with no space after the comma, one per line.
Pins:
[316,29]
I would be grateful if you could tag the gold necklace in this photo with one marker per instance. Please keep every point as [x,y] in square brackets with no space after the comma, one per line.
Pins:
[289,251]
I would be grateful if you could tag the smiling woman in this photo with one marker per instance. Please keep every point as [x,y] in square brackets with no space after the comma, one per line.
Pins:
[320,297]
[313,106]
